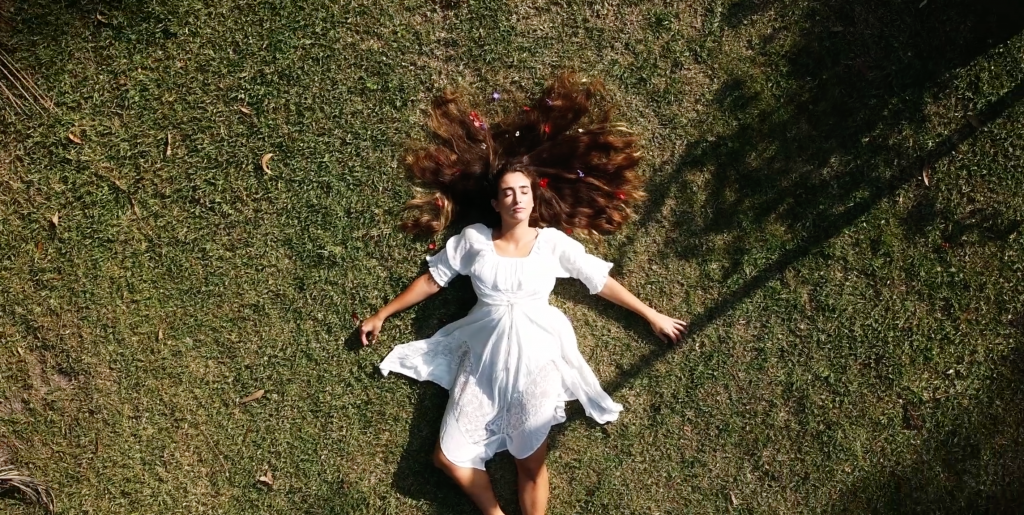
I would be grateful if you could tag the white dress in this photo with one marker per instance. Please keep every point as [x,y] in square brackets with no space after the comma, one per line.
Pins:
[512,362]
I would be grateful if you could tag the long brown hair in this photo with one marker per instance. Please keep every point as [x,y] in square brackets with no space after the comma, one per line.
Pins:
[583,167]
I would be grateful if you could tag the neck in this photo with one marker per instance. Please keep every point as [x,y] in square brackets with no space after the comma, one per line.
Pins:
[516,231]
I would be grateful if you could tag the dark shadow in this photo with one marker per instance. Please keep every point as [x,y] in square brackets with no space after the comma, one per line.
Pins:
[816,159]
[122,18]
[416,476]
[971,464]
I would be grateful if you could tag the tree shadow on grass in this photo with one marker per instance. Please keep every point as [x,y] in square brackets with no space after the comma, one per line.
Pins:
[973,463]
[815,160]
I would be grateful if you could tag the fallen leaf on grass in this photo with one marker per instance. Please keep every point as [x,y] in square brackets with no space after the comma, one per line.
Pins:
[265,163]
[39,246]
[167,146]
[160,334]
[975,121]
[253,396]
[101,18]
[267,478]
[74,138]
[55,219]
[135,207]
[355,318]
[245,109]
[926,176]
[733,499]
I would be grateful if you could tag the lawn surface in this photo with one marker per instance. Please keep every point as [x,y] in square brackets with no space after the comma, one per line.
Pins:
[836,203]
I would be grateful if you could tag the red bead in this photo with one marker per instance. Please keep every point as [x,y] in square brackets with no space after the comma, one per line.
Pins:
[432,246]
[526,108]
[620,195]
[568,231]
[547,128]
[543,182]
[475,118]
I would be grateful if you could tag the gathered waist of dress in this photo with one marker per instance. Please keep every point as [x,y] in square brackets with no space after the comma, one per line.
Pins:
[511,301]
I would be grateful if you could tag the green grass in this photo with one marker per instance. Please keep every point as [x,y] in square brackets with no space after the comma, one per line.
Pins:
[857,334]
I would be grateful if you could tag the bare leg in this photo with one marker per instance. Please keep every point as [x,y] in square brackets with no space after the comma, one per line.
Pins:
[533,481]
[475,482]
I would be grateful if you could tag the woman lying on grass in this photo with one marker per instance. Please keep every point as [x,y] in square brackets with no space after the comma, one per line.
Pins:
[512,362]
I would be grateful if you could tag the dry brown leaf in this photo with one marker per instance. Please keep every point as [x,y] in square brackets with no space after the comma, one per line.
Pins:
[253,396]
[267,478]
[135,207]
[167,146]
[55,219]
[265,163]
[101,18]
[39,246]
[733,499]
[926,176]
[975,121]
[160,334]
[245,109]
[74,138]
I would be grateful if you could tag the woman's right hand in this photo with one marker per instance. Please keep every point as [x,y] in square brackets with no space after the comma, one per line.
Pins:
[369,329]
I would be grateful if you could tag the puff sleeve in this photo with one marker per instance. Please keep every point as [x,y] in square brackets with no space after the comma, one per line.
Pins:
[451,261]
[575,262]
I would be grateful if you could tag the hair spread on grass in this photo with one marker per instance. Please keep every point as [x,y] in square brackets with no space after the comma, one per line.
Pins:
[583,167]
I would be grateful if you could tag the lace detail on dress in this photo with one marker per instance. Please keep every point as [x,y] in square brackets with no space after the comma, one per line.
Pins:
[531,407]
[471,407]
[535,405]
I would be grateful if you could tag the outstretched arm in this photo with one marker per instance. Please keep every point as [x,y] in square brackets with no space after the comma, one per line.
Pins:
[667,328]
[423,287]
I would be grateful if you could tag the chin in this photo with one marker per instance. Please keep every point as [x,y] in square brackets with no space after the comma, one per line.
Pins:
[518,217]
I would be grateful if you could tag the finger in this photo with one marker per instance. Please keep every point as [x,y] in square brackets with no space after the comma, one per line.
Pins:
[661,337]
[681,327]
[362,336]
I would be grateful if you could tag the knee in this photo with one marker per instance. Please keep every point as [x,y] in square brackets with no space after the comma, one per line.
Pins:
[441,462]
[530,469]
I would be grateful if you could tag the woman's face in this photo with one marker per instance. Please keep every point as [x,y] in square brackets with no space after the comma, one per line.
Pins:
[515,197]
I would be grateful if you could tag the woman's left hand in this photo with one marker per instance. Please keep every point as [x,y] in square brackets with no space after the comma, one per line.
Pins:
[668,328]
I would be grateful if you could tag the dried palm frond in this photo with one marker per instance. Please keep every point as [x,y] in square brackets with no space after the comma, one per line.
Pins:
[30,489]
[19,90]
